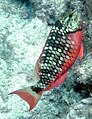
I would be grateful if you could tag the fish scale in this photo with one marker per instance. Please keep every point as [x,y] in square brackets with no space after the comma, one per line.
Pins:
[57,45]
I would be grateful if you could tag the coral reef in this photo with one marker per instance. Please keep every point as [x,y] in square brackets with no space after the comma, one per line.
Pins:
[24,27]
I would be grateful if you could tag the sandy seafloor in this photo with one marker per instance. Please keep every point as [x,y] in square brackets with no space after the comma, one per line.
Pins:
[23,32]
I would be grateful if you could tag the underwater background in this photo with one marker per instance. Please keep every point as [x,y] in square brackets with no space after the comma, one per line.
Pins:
[24,27]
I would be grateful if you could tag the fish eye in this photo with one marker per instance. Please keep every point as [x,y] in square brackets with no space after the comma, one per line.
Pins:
[70,15]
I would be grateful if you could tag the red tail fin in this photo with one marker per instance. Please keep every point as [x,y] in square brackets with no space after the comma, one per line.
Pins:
[29,96]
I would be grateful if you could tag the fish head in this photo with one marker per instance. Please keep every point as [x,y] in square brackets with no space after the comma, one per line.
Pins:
[71,20]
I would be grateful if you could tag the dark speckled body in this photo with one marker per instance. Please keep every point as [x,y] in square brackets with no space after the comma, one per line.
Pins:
[58,55]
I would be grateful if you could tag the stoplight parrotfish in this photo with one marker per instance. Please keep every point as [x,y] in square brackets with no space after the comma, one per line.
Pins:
[62,47]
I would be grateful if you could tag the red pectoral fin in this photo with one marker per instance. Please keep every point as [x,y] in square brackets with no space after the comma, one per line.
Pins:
[57,82]
[81,53]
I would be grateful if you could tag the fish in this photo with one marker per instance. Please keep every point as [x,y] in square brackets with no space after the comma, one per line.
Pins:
[61,49]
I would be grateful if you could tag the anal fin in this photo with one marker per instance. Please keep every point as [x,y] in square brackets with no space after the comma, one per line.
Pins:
[57,82]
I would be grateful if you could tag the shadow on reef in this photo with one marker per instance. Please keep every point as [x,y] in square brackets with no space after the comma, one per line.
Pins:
[83,89]
[21,1]
[26,6]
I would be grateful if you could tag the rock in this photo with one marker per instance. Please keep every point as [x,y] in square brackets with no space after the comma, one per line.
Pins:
[47,10]
[87,101]
[87,25]
[83,83]
[81,111]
